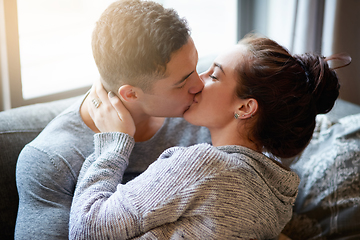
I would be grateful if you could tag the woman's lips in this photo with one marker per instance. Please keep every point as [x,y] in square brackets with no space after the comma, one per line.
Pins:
[194,101]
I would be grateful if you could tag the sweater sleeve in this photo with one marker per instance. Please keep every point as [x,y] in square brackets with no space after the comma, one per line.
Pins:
[101,173]
[109,148]
[104,209]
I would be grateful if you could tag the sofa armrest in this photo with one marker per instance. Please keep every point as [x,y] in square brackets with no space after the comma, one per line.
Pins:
[18,127]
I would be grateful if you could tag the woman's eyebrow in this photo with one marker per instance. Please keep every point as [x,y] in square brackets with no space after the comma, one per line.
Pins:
[219,66]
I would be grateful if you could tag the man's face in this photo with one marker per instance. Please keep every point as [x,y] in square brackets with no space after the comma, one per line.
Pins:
[173,95]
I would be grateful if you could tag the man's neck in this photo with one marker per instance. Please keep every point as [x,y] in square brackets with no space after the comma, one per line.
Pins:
[146,126]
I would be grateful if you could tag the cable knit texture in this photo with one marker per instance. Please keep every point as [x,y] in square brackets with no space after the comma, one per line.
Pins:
[197,192]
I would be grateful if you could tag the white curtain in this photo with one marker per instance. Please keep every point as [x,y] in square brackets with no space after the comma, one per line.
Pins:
[308,25]
[328,27]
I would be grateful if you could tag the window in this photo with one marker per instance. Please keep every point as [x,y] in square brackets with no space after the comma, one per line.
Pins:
[54,42]
[280,26]
[213,24]
[49,50]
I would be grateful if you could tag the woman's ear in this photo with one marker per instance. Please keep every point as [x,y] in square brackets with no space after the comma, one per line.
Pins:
[247,108]
[128,93]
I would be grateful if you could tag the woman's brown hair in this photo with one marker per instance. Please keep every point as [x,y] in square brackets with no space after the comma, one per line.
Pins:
[290,90]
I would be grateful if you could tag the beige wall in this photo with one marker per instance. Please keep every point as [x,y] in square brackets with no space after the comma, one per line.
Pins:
[347,39]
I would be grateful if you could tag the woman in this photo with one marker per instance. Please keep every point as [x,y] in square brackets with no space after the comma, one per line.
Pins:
[257,98]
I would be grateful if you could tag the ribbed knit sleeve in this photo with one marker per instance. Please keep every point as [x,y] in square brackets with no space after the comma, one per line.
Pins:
[198,192]
[99,211]
[101,173]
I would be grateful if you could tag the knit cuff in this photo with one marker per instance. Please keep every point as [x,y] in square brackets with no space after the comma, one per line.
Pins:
[116,142]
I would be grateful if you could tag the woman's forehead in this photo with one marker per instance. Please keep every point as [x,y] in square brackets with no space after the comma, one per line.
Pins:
[232,57]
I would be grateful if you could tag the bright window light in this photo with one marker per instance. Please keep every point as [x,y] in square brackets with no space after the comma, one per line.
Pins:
[280,22]
[55,38]
[55,49]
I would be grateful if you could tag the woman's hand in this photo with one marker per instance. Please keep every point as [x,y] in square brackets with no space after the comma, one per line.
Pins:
[108,112]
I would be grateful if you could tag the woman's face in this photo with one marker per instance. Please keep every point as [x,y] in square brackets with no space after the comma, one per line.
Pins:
[215,105]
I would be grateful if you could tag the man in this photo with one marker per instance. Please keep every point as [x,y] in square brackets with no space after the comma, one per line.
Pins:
[144,53]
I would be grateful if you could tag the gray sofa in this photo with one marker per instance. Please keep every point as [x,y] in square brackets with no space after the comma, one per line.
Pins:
[19,126]
[328,204]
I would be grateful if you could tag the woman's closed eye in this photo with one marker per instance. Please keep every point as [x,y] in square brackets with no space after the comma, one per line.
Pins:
[213,77]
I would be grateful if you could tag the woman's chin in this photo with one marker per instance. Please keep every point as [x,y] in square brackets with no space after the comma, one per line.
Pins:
[188,115]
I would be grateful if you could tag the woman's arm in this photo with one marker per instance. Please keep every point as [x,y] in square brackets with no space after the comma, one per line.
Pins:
[103,208]
[92,206]
[103,170]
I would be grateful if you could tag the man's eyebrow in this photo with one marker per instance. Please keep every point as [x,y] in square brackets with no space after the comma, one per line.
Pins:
[219,66]
[184,78]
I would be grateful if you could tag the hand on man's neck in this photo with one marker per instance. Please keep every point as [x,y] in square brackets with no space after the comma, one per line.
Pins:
[146,126]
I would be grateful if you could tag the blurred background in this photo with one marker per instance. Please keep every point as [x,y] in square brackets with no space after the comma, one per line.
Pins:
[45,45]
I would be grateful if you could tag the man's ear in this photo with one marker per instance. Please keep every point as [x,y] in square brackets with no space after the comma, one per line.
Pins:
[247,108]
[129,93]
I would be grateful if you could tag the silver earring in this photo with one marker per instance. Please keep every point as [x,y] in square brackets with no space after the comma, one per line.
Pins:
[236,116]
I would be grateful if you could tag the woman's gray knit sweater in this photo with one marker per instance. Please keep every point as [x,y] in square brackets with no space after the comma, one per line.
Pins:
[197,192]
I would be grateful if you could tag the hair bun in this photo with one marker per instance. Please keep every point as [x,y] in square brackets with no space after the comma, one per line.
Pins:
[323,84]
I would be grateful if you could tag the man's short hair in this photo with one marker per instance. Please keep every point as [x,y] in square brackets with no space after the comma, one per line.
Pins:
[133,41]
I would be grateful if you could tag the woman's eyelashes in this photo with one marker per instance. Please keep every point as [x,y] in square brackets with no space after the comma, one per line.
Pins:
[213,77]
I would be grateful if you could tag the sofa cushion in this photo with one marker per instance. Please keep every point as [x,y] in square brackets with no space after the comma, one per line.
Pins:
[328,203]
[19,126]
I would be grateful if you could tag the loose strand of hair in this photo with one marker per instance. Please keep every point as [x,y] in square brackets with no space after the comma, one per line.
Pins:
[344,57]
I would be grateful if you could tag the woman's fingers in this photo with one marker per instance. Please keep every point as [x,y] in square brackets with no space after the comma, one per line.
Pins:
[90,103]
[118,105]
[101,92]
[123,113]
[108,112]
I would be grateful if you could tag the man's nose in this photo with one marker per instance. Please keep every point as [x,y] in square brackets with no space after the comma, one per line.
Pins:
[198,85]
